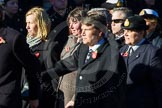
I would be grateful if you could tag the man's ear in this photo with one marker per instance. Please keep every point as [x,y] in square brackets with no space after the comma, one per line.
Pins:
[142,33]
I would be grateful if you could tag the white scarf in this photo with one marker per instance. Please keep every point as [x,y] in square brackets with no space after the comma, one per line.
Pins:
[32,41]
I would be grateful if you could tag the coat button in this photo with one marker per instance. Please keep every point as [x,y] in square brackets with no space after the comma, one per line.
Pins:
[21,29]
[80,77]
[137,56]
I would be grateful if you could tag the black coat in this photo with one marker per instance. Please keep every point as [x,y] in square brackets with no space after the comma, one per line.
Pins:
[144,68]
[100,82]
[59,30]
[14,55]
[45,53]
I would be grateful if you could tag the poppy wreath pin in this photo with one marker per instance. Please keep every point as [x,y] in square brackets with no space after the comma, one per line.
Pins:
[67,49]
[124,54]
[37,54]
[2,41]
[94,54]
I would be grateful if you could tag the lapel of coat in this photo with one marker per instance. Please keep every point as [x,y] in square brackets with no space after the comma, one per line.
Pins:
[137,53]
[3,32]
[43,46]
[83,54]
[39,47]
[124,53]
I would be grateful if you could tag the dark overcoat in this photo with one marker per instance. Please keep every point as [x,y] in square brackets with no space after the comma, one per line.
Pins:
[45,53]
[144,68]
[100,82]
[15,54]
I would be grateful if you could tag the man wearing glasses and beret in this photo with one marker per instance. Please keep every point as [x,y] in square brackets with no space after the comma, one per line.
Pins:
[144,66]
[118,16]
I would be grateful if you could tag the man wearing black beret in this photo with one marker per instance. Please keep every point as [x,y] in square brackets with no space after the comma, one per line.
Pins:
[144,66]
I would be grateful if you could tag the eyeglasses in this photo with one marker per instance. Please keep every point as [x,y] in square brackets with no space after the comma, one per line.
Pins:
[118,20]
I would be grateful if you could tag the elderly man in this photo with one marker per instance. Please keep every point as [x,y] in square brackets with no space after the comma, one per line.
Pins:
[118,17]
[154,35]
[144,66]
[101,70]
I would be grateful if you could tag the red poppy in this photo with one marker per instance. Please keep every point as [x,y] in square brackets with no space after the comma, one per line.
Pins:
[67,49]
[2,40]
[94,54]
[124,54]
[37,54]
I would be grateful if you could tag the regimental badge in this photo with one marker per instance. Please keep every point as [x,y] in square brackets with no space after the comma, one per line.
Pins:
[126,23]
[119,3]
[142,12]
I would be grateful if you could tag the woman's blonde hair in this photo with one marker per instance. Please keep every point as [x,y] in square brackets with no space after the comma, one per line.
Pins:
[43,21]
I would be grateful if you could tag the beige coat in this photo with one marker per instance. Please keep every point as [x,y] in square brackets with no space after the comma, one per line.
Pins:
[68,81]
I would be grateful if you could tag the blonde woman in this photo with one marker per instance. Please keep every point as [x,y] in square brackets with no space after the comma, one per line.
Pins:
[38,27]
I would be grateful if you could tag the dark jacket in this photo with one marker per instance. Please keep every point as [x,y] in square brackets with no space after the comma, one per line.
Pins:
[155,38]
[59,30]
[45,53]
[100,81]
[144,68]
[15,54]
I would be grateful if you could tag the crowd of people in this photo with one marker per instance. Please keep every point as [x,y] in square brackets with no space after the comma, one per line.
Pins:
[80,54]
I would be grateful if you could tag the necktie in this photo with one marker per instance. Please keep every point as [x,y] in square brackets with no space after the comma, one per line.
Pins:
[88,55]
[130,51]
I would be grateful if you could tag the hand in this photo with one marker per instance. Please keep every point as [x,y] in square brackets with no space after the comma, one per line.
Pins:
[70,104]
[45,77]
[34,103]
[48,88]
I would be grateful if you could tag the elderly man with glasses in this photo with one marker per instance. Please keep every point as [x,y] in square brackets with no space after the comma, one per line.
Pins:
[118,16]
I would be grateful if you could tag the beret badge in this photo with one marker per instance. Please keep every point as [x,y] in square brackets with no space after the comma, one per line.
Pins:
[142,12]
[126,23]
[119,3]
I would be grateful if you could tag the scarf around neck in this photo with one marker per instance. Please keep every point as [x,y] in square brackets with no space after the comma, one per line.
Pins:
[32,41]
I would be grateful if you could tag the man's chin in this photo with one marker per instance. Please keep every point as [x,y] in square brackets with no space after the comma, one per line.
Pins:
[127,43]
[84,42]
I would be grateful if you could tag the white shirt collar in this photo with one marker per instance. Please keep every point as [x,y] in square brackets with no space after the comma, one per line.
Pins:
[135,47]
[94,48]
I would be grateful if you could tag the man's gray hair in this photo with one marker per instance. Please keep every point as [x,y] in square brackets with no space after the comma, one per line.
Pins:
[96,20]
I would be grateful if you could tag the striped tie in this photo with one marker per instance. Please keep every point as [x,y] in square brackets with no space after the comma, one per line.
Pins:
[88,55]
